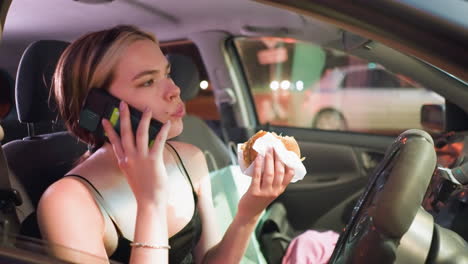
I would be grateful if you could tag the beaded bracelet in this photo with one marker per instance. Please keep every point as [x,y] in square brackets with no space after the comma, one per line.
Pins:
[142,245]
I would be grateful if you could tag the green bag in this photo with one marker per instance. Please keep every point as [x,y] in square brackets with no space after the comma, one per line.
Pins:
[228,185]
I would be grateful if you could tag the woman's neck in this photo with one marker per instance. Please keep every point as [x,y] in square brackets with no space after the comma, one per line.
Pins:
[102,158]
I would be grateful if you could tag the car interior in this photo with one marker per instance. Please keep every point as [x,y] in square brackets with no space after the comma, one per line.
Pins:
[396,194]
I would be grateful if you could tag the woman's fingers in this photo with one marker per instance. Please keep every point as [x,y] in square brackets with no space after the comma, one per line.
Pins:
[269,171]
[126,133]
[279,171]
[257,175]
[276,175]
[289,174]
[160,140]
[142,132]
[114,139]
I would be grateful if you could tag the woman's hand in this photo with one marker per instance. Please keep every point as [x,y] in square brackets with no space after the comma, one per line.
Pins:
[266,186]
[142,165]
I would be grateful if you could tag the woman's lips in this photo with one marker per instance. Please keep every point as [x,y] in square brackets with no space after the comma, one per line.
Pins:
[180,111]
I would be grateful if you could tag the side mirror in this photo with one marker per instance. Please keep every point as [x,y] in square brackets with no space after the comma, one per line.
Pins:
[447,117]
[433,118]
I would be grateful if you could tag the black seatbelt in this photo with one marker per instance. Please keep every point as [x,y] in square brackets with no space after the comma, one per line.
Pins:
[9,199]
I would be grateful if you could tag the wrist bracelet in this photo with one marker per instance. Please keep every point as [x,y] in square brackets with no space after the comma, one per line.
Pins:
[142,245]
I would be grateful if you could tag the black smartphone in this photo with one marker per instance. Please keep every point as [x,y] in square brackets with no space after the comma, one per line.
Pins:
[100,104]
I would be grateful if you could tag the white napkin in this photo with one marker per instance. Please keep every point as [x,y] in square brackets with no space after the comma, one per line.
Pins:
[263,144]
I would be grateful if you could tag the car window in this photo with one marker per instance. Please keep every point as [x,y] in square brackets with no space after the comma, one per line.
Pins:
[203,105]
[299,84]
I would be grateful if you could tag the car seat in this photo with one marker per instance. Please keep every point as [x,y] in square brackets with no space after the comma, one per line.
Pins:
[41,158]
[33,81]
[36,114]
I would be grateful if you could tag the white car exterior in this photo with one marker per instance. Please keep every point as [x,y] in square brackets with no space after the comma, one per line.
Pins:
[364,107]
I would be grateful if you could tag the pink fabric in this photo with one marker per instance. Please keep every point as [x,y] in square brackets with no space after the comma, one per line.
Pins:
[311,247]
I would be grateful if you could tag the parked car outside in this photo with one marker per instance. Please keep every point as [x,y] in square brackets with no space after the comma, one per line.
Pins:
[366,98]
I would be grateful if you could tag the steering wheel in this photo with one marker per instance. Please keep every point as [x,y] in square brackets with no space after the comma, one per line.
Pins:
[390,203]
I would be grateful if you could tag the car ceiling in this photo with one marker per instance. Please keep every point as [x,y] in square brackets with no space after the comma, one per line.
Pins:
[30,20]
[59,18]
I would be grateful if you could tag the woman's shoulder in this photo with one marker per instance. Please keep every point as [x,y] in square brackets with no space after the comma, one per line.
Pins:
[64,207]
[76,185]
[67,195]
[65,188]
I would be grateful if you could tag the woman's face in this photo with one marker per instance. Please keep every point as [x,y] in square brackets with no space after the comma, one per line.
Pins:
[141,79]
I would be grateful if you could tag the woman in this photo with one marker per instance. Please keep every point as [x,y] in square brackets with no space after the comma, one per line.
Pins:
[133,202]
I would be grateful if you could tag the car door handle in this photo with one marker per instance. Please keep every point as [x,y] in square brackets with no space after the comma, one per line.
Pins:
[370,159]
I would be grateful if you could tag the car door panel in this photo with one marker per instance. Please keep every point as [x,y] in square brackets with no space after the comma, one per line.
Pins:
[337,163]
[321,161]
[307,204]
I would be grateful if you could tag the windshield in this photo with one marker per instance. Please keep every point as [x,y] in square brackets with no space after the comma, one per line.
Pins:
[300,84]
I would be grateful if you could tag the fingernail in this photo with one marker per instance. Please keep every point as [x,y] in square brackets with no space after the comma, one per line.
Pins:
[147,109]
[122,105]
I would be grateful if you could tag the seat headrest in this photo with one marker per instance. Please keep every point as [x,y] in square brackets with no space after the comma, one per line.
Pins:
[185,74]
[33,81]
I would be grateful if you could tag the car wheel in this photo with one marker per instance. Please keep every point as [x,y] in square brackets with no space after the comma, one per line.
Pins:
[330,119]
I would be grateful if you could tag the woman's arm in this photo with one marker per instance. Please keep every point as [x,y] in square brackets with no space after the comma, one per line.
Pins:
[150,228]
[69,217]
[265,187]
[143,166]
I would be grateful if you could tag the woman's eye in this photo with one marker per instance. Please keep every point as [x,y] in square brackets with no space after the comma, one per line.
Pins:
[168,75]
[148,83]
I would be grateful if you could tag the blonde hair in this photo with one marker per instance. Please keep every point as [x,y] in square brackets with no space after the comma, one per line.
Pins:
[89,63]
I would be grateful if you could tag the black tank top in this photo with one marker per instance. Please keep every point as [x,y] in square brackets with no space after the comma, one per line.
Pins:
[182,243]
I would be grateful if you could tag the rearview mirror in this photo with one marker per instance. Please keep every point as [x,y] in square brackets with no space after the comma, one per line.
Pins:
[272,55]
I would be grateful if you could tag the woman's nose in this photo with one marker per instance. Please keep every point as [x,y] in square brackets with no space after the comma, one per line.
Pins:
[173,91]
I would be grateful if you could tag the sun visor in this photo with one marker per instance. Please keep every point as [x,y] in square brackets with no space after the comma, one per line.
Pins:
[290,24]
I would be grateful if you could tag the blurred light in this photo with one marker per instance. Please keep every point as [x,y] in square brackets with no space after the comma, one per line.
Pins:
[371,65]
[204,85]
[300,85]
[274,85]
[285,84]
